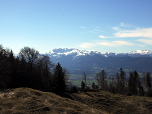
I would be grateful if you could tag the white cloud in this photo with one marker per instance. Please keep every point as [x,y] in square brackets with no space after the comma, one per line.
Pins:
[145,32]
[115,43]
[102,36]
[122,43]
[105,43]
[146,41]
[86,45]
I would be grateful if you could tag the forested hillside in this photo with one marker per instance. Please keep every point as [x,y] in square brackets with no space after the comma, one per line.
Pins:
[30,69]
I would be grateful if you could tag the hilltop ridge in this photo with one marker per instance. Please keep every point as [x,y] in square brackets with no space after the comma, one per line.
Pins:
[27,101]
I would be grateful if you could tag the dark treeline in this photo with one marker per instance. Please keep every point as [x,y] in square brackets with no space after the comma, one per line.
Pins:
[34,70]
[122,84]
[30,69]
[119,83]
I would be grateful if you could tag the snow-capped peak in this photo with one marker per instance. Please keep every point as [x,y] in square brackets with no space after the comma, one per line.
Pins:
[141,52]
[57,52]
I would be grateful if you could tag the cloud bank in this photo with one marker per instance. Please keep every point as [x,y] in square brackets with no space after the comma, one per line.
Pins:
[115,43]
[145,32]
[143,37]
[105,43]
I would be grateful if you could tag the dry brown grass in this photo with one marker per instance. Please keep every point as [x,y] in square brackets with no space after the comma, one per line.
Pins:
[115,103]
[27,100]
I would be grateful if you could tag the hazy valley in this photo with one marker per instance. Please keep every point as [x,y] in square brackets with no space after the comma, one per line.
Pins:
[79,61]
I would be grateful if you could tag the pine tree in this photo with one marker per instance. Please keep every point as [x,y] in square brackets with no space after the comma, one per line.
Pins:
[130,83]
[148,80]
[5,69]
[15,76]
[46,78]
[122,80]
[23,73]
[118,83]
[134,83]
[59,79]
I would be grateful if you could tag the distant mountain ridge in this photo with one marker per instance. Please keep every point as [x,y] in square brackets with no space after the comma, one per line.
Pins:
[77,61]
[58,52]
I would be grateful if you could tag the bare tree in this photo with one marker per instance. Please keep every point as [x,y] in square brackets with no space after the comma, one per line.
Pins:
[97,77]
[103,80]
[4,52]
[84,77]
[30,54]
[43,61]
[144,80]
[101,77]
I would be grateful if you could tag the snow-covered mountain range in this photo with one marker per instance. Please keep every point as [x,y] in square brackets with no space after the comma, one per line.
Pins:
[75,53]
[58,52]
[76,60]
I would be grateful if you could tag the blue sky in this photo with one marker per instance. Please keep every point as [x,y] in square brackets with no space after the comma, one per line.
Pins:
[103,25]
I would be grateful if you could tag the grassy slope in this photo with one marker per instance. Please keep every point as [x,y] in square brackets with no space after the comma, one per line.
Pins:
[26,100]
[115,103]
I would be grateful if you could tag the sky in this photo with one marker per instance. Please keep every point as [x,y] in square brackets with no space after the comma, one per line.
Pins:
[118,26]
